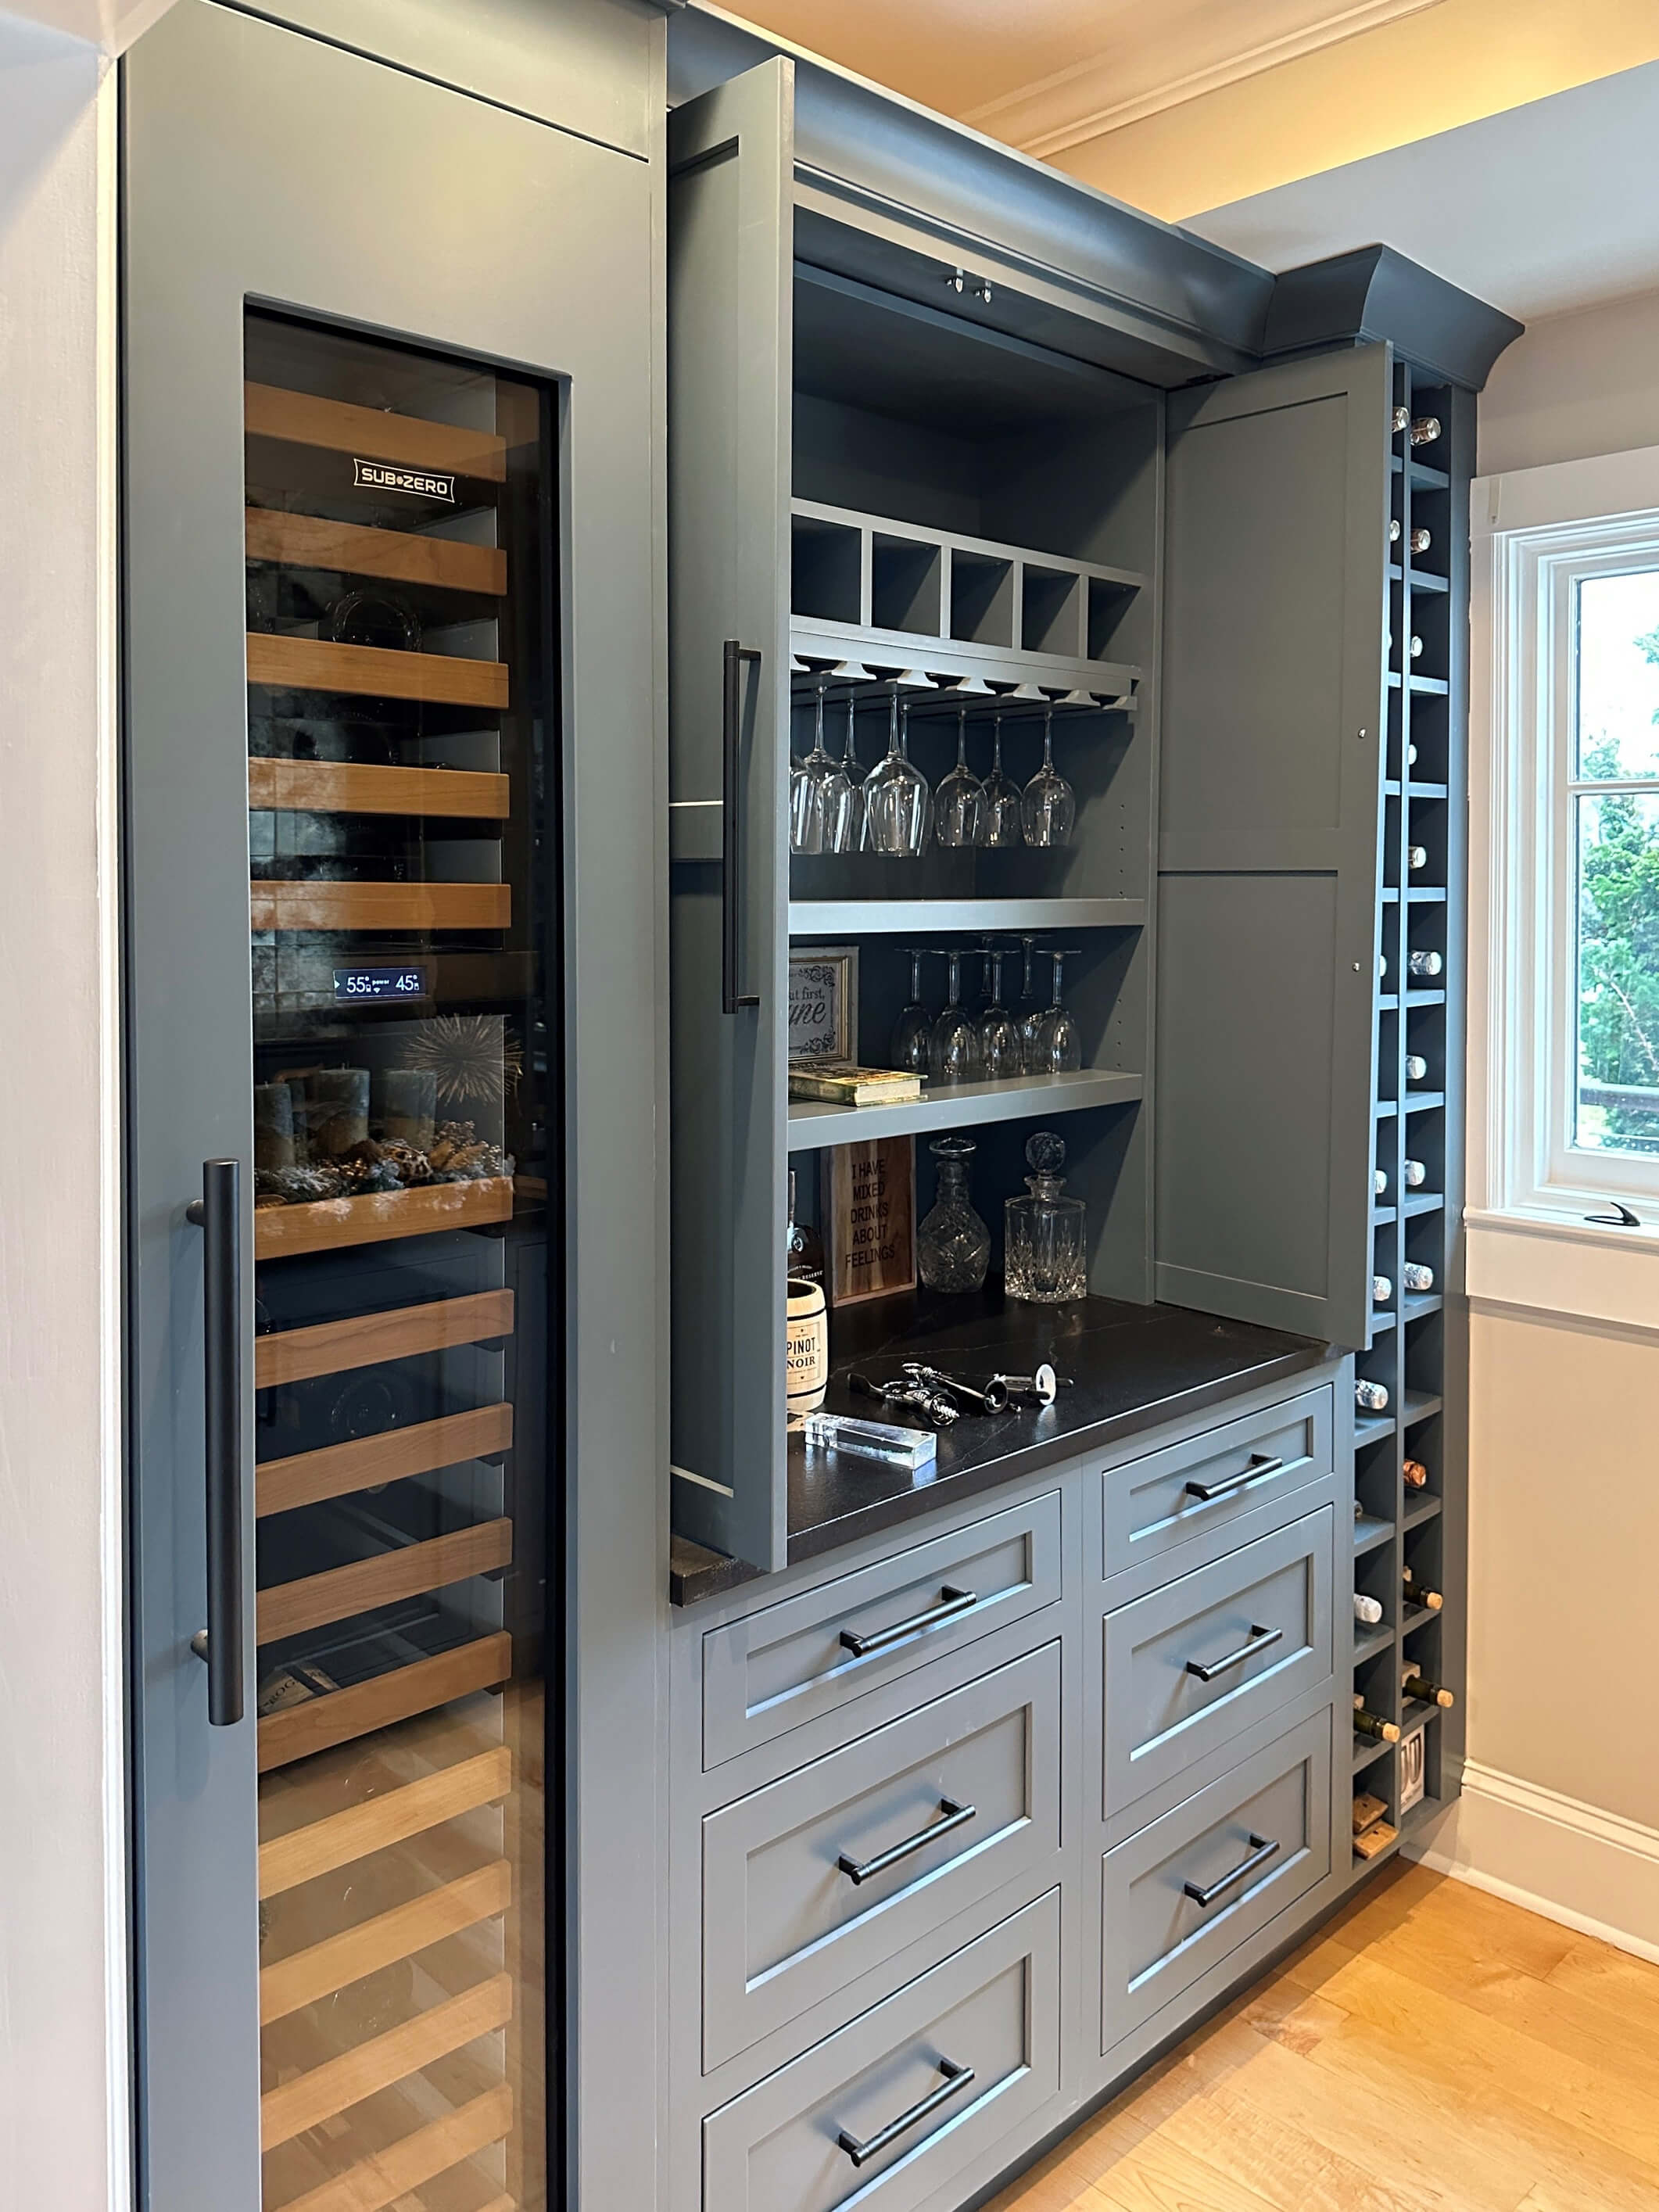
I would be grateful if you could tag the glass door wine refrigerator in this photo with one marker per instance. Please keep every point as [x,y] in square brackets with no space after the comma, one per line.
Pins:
[372,545]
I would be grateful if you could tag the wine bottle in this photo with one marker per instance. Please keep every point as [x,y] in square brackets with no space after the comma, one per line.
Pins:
[1401,419]
[1420,1593]
[1417,1276]
[1411,755]
[1416,856]
[1417,646]
[1425,1691]
[806,1323]
[1367,1610]
[1416,1067]
[1382,967]
[1371,1725]
[1371,1397]
[1425,428]
[1395,532]
[1416,1477]
[1413,1173]
[1380,1182]
[1382,1290]
[1420,538]
[1422,965]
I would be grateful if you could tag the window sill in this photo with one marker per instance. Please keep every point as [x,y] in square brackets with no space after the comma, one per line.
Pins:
[1555,1263]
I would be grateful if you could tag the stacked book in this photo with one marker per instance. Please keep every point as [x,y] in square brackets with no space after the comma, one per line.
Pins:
[852,1086]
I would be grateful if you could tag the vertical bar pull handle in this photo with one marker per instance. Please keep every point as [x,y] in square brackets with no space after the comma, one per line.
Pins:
[218,1214]
[731,825]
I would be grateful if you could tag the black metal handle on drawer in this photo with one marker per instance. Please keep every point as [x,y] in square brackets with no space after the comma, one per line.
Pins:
[218,1214]
[1261,1850]
[732,826]
[1261,1639]
[950,1602]
[957,2079]
[955,1816]
[1260,1463]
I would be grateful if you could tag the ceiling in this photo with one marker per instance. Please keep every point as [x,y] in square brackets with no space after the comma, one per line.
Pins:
[1046,74]
[1540,209]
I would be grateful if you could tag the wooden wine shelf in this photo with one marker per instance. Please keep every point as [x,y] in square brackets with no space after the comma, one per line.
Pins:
[404,908]
[381,2180]
[332,2088]
[307,541]
[344,1715]
[317,664]
[342,1839]
[331,1347]
[301,418]
[325,1968]
[336,1470]
[346,787]
[281,1232]
[291,1608]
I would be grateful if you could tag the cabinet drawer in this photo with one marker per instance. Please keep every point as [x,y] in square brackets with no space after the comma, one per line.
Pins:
[1196,1662]
[1193,1492]
[786,1664]
[797,1901]
[1267,1825]
[994,2007]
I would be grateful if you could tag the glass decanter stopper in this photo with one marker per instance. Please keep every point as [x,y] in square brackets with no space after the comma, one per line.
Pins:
[953,1245]
[1045,1259]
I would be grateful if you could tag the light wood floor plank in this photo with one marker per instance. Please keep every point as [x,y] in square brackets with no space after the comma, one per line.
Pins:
[1433,2049]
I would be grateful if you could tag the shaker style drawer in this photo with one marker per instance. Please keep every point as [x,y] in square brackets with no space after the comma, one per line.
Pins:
[1195,1663]
[1185,1892]
[888,2110]
[814,1879]
[788,1663]
[1195,1490]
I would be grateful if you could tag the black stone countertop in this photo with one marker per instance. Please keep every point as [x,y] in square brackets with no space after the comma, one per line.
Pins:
[1133,1367]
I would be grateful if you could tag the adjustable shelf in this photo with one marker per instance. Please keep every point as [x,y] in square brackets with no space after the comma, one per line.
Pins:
[328,1224]
[319,1847]
[333,1347]
[317,664]
[1371,1428]
[401,557]
[1421,1101]
[346,787]
[274,902]
[341,1716]
[324,1969]
[364,1462]
[814,1124]
[1419,1405]
[301,418]
[974,917]
[410,1571]
[1414,1617]
[420,2156]
[1373,1641]
[1369,1532]
[1367,1750]
[1425,1509]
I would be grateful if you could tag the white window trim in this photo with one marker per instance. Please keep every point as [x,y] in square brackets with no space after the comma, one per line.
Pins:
[1528,1244]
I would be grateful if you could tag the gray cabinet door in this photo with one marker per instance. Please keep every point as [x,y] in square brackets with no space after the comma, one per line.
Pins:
[729,263]
[1274,739]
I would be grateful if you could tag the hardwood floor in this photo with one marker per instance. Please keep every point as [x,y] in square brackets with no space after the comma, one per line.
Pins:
[1432,2049]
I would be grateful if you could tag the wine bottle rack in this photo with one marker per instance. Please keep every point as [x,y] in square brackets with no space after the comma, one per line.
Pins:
[1418,1346]
[354,787]
[306,418]
[328,1224]
[398,556]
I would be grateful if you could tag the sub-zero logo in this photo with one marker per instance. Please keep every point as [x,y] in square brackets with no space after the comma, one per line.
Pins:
[380,475]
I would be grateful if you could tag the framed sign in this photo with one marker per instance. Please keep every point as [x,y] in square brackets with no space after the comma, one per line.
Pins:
[872,1219]
[823,1005]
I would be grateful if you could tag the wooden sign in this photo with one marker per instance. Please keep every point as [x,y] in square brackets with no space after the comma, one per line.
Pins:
[872,1219]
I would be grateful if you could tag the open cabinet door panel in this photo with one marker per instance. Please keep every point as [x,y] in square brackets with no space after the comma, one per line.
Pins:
[731,262]
[1274,736]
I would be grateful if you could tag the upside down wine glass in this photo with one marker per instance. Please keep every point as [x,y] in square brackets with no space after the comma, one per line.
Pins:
[913,1029]
[898,802]
[811,827]
[953,1053]
[1049,804]
[1001,798]
[998,1033]
[1031,1010]
[1059,1039]
[959,802]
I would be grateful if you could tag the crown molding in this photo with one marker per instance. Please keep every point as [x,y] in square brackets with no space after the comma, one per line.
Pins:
[1224,47]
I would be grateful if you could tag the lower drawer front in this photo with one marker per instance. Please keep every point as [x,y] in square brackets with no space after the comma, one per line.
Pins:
[1249,1845]
[1192,1664]
[883,2113]
[814,1879]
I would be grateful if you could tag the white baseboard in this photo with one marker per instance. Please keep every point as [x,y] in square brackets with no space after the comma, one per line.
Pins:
[1592,1871]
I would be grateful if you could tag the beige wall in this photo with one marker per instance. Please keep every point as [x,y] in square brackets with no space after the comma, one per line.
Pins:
[63,2061]
[1574,385]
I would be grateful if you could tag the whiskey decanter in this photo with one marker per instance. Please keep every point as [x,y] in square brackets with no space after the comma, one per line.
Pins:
[1044,1253]
[953,1245]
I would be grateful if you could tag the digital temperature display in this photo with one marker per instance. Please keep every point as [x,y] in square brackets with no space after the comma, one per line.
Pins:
[405,982]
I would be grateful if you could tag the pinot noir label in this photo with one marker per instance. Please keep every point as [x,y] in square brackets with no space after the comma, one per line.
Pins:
[419,484]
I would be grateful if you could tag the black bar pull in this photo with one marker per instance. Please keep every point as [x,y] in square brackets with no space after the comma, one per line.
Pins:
[732,826]
[1260,1463]
[218,1214]
[1262,1850]
[862,1642]
[952,1815]
[957,2079]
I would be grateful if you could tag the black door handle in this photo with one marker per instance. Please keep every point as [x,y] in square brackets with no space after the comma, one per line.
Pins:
[732,826]
[218,1214]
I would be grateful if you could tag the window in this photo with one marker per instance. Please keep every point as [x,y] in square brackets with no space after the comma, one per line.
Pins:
[1570,609]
